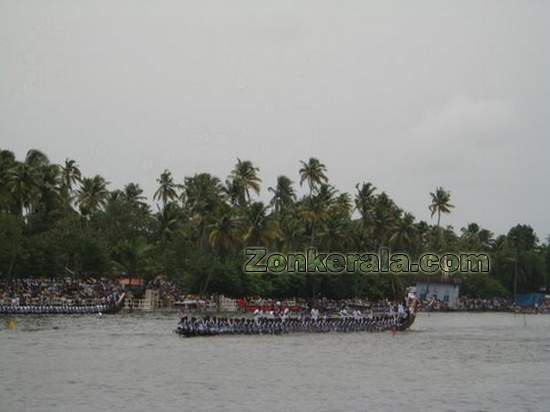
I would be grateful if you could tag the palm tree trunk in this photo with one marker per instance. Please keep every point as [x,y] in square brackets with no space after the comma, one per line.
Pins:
[439,242]
[515,277]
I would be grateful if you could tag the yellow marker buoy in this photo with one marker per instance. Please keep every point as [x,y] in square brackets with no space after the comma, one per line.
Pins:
[12,325]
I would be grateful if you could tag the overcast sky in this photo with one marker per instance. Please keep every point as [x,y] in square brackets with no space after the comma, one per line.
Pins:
[407,95]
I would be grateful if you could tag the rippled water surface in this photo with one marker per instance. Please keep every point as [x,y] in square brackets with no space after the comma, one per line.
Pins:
[446,362]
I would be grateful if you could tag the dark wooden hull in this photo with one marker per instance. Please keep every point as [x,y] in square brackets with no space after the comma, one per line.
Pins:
[117,306]
[407,323]
[402,326]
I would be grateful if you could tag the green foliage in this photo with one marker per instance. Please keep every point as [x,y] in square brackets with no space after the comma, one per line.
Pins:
[11,242]
[54,220]
[482,286]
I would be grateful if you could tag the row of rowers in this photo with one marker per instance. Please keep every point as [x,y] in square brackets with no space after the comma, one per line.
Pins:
[279,325]
[399,311]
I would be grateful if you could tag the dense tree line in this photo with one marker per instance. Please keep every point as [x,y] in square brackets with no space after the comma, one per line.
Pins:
[56,221]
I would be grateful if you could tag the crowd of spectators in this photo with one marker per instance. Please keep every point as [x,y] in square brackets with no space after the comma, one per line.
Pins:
[169,291]
[58,291]
[97,291]
[466,304]
[324,305]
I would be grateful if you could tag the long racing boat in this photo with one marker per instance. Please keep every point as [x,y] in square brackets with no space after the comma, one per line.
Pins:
[210,326]
[111,307]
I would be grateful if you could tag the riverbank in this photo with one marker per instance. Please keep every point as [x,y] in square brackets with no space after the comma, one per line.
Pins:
[66,295]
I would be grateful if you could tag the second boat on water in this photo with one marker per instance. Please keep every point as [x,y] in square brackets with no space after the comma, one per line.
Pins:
[114,306]
[190,327]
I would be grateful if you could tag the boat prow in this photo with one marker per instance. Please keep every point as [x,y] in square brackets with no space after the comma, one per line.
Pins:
[407,323]
[117,306]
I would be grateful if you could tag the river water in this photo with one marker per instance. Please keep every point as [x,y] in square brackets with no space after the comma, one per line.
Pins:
[446,362]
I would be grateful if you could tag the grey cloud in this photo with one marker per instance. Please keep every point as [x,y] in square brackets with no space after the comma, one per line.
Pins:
[380,91]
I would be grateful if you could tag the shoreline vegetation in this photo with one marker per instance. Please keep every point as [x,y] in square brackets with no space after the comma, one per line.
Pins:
[56,221]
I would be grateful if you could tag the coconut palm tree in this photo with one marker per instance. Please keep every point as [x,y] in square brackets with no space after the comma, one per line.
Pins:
[169,220]
[440,203]
[486,239]
[292,232]
[235,192]
[31,181]
[314,173]
[284,195]
[260,229]
[92,195]
[70,177]
[36,158]
[385,215]
[49,189]
[404,237]
[167,190]
[244,178]
[364,199]
[203,193]
[23,186]
[133,193]
[476,238]
[204,200]
[7,162]
[225,233]
[7,157]
[343,205]
[471,237]
[314,210]
[337,226]
[70,174]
